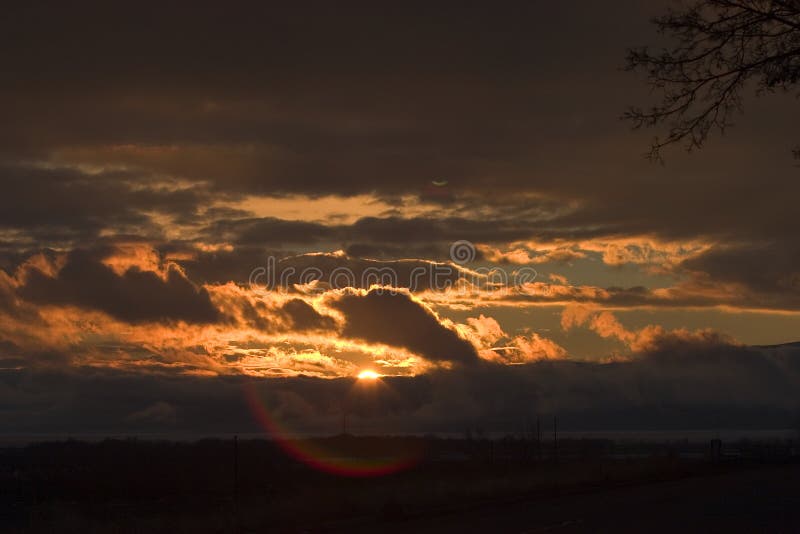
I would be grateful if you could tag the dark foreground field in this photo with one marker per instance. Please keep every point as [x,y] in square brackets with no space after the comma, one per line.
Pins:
[510,485]
[764,499]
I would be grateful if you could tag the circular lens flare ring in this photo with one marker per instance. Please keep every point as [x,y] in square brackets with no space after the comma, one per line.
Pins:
[320,458]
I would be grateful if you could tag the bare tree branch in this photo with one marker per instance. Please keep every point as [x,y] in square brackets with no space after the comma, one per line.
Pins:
[721,46]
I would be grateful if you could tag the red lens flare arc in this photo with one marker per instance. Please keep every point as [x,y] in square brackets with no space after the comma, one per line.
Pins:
[317,456]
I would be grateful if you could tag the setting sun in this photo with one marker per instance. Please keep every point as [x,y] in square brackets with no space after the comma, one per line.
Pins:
[507,261]
[368,375]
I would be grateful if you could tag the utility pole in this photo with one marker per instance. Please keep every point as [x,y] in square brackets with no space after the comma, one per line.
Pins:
[538,438]
[555,438]
[236,482]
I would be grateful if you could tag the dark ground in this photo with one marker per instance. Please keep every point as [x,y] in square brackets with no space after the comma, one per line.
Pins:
[765,499]
[459,485]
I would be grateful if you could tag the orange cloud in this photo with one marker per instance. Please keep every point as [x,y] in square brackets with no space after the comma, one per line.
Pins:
[522,256]
[485,334]
[646,339]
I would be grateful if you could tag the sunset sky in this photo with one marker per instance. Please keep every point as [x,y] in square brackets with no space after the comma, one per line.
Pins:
[156,162]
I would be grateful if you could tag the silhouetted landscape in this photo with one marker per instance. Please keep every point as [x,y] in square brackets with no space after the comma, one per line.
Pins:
[250,485]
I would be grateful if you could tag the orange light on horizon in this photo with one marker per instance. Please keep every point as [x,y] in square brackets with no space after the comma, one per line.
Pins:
[368,374]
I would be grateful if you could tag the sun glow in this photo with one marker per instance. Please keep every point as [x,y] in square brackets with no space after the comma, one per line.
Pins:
[368,375]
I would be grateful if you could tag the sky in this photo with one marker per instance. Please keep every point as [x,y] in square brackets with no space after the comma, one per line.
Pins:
[203,206]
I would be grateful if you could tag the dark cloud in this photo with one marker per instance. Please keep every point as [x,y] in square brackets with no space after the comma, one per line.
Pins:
[65,205]
[150,121]
[221,266]
[12,306]
[393,251]
[378,232]
[432,230]
[497,101]
[135,296]
[391,318]
[769,269]
[340,272]
[505,104]
[270,231]
[705,385]
[277,268]
[304,317]
[768,279]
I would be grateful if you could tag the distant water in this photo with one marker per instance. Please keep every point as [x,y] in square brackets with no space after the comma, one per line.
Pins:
[658,436]
[655,436]
[692,436]
[19,440]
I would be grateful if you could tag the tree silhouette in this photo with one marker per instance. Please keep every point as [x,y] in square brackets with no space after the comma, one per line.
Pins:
[720,46]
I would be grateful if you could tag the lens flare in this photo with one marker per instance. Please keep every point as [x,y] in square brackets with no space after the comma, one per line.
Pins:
[342,455]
